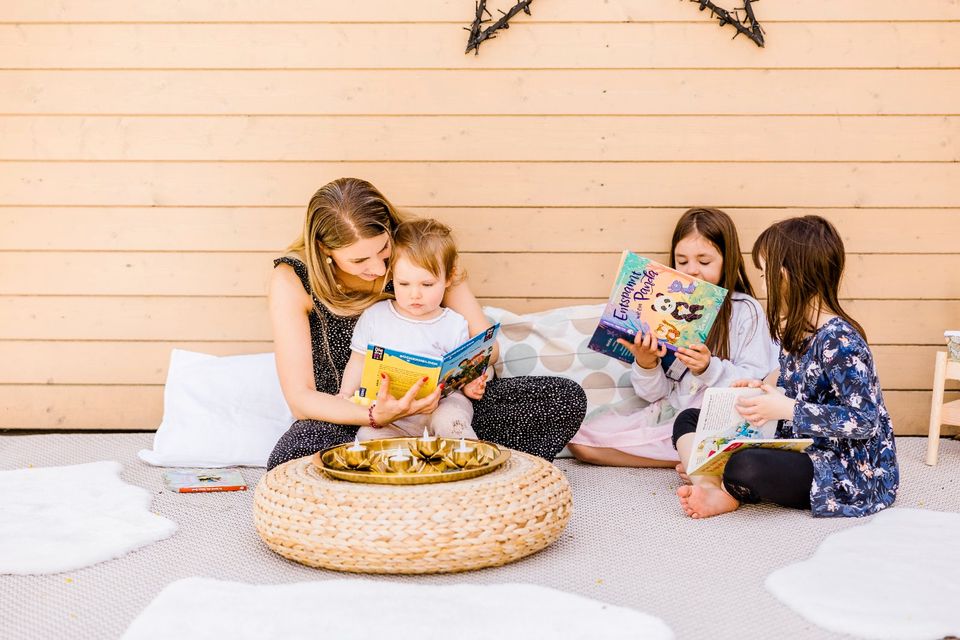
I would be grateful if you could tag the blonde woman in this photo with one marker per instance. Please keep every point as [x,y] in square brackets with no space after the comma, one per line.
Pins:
[335,270]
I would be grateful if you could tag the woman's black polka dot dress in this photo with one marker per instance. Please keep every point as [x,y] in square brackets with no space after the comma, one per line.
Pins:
[537,415]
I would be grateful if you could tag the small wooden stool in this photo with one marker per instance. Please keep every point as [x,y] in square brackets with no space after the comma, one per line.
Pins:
[941,413]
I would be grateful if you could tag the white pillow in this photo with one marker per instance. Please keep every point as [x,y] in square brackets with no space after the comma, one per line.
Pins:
[219,412]
[554,343]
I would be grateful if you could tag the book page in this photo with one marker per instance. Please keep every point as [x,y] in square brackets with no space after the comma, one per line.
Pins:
[720,423]
[403,368]
[468,361]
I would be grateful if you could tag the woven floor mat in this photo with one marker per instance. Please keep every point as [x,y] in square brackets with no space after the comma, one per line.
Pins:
[627,543]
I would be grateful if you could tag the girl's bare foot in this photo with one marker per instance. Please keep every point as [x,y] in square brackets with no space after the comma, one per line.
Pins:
[684,478]
[704,500]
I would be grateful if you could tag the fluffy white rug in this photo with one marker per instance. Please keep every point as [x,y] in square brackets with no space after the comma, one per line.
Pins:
[57,519]
[896,577]
[201,608]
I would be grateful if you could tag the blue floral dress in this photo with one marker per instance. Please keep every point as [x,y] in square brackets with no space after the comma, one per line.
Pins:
[840,406]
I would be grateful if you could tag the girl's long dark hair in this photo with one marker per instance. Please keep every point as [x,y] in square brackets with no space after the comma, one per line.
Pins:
[804,263]
[718,229]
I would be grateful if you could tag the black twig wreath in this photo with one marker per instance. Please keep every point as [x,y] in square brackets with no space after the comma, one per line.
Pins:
[478,34]
[747,25]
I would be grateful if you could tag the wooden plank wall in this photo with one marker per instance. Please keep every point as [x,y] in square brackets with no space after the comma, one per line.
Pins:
[154,157]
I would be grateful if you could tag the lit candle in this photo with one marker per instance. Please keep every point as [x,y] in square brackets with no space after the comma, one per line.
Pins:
[428,446]
[462,455]
[355,454]
[399,461]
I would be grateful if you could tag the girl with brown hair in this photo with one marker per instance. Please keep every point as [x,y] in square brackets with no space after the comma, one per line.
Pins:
[704,245]
[336,269]
[831,393]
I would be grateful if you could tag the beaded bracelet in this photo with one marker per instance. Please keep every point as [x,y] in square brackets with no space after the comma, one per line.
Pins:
[373,423]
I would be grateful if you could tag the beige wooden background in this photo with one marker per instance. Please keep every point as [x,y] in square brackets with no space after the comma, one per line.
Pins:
[154,157]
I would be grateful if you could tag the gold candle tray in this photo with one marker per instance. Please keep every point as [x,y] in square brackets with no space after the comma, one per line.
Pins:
[440,461]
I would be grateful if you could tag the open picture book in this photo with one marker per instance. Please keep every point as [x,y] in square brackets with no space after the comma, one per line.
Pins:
[649,297]
[457,368]
[721,431]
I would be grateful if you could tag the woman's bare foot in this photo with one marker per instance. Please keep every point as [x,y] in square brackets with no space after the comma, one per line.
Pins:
[704,500]
[684,478]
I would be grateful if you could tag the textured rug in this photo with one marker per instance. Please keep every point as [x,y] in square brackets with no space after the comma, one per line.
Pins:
[627,544]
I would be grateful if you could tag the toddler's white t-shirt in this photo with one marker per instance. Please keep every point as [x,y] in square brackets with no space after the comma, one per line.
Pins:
[383,325]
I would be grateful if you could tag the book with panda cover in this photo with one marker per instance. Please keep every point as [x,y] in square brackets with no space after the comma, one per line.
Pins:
[649,297]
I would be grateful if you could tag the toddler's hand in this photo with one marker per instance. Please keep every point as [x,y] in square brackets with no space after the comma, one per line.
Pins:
[696,357]
[475,388]
[646,350]
[772,405]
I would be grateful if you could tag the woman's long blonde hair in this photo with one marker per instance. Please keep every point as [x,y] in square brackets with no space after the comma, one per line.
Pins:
[341,213]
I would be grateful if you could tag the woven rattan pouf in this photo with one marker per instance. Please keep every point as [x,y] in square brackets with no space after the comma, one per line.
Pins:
[497,518]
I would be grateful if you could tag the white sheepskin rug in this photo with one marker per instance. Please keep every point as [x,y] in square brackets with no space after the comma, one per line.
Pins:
[896,577]
[199,608]
[55,519]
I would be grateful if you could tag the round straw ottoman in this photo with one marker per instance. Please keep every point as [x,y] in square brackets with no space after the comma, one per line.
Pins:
[306,516]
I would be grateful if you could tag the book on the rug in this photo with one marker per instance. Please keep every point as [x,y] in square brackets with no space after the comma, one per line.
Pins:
[458,367]
[203,480]
[649,297]
[721,431]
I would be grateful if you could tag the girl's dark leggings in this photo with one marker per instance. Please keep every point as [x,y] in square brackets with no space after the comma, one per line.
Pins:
[752,475]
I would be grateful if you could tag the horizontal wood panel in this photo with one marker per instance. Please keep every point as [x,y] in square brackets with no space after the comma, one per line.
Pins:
[476,230]
[451,11]
[597,92]
[459,138]
[145,363]
[491,275]
[170,319]
[123,363]
[493,184]
[177,319]
[141,407]
[437,46]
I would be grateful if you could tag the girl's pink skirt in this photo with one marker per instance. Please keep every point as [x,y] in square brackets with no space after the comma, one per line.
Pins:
[646,433]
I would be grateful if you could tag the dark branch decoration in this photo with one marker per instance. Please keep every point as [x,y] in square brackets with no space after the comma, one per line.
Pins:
[747,24]
[478,34]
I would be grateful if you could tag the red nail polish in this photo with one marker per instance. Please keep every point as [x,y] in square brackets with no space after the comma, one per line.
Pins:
[424,378]
[383,375]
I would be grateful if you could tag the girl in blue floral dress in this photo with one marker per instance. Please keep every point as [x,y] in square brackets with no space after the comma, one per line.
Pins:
[832,393]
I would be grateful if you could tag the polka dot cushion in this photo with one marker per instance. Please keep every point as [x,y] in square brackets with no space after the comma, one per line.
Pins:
[554,343]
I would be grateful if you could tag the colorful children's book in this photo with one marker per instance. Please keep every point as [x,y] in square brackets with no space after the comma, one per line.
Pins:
[650,297]
[465,363]
[721,431]
[203,480]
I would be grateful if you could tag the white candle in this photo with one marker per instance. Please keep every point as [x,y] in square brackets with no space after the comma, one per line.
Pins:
[463,446]
[427,437]
[356,446]
[399,454]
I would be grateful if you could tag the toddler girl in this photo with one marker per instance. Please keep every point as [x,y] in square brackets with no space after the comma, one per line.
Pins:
[423,265]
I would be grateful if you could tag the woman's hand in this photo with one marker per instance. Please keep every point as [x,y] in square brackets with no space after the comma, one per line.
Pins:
[646,350]
[772,405]
[476,388]
[696,357]
[389,409]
